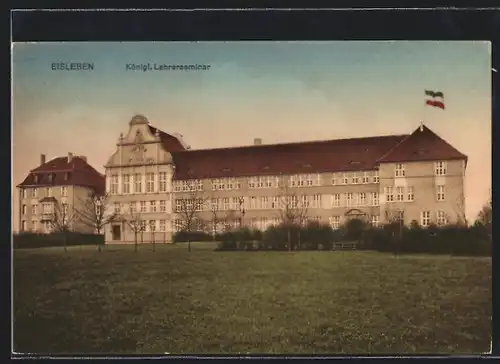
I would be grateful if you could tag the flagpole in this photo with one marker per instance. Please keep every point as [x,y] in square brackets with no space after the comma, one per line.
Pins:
[423,115]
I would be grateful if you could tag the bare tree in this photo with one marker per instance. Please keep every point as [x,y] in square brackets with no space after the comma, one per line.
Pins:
[459,208]
[135,223]
[395,221]
[188,210]
[94,212]
[292,207]
[485,216]
[62,220]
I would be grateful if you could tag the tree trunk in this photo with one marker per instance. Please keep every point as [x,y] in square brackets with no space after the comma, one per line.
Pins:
[189,245]
[98,245]
[289,240]
[135,242]
[65,242]
[154,242]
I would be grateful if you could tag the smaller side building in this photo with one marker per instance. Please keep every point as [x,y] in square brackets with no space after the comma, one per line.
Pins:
[55,190]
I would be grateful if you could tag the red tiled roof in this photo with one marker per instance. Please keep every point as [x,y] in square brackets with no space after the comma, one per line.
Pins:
[356,154]
[169,142]
[423,144]
[76,173]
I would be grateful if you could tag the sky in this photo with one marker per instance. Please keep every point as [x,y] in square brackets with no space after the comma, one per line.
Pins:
[276,91]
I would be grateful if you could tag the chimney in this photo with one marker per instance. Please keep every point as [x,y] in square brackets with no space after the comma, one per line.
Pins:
[257,141]
[70,157]
[42,159]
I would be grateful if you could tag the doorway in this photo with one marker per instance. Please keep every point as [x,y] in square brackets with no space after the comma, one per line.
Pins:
[116,232]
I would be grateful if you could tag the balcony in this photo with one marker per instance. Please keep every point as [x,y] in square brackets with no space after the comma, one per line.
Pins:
[47,216]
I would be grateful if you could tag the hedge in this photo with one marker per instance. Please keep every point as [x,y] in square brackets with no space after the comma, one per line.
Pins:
[392,238]
[35,240]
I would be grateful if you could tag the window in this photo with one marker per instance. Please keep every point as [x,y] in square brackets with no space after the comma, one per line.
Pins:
[137,183]
[375,220]
[304,201]
[400,194]
[199,185]
[34,192]
[65,209]
[24,210]
[263,203]
[336,200]
[34,209]
[269,182]
[375,199]
[334,222]
[345,178]
[34,225]
[163,225]
[163,181]
[24,225]
[400,170]
[222,185]
[25,193]
[440,193]
[152,206]
[48,192]
[362,198]
[355,178]
[294,202]
[252,182]
[348,199]
[334,179]
[178,225]
[46,208]
[376,178]
[316,202]
[142,206]
[410,193]
[64,191]
[116,207]
[440,168]
[226,203]
[177,186]
[366,178]
[253,202]
[276,202]
[178,205]
[150,182]
[152,225]
[215,184]
[441,218]
[132,207]
[114,184]
[163,206]
[126,184]
[425,219]
[389,196]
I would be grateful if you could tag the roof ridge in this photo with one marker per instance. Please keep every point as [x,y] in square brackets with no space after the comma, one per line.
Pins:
[393,148]
[297,143]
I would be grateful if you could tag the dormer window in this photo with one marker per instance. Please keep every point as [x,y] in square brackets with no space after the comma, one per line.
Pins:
[265,168]
[307,165]
[66,176]
[226,170]
[36,178]
[51,177]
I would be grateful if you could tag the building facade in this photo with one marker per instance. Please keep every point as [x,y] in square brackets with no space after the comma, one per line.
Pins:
[52,193]
[156,179]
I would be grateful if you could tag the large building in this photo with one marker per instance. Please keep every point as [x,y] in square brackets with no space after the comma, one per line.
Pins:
[54,190]
[154,177]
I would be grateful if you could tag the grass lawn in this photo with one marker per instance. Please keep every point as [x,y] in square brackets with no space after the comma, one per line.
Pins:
[118,301]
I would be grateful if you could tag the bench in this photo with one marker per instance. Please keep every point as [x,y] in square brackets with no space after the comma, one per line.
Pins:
[345,245]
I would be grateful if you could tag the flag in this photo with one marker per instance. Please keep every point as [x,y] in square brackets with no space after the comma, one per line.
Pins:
[435,103]
[434,94]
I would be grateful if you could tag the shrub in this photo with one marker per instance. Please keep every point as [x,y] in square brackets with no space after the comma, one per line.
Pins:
[185,236]
[35,240]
